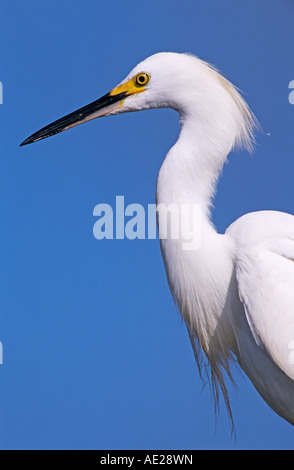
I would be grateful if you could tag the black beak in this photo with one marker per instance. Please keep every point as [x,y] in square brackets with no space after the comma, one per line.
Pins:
[101,107]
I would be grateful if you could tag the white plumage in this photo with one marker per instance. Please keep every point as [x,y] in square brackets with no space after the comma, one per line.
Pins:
[236,291]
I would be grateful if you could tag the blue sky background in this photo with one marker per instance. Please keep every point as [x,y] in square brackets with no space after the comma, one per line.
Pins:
[95,354]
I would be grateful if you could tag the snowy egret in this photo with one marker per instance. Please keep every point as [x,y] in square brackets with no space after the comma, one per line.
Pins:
[235,291]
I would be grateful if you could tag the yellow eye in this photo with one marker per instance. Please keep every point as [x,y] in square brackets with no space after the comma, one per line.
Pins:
[142,79]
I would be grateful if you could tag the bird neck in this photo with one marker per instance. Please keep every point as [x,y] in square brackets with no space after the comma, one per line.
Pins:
[191,168]
[198,274]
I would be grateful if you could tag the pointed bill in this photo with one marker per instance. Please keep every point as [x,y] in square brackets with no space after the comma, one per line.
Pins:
[101,107]
[104,106]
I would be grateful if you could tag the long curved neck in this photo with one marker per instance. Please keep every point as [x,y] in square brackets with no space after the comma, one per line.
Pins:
[190,170]
[198,280]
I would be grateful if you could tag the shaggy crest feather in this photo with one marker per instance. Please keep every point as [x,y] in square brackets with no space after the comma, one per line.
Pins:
[247,122]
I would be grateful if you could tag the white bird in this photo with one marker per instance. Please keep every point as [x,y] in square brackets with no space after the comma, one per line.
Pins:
[235,291]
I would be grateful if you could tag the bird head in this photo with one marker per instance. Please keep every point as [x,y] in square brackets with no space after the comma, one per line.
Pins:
[164,80]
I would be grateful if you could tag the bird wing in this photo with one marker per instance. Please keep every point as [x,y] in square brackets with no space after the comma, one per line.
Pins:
[265,276]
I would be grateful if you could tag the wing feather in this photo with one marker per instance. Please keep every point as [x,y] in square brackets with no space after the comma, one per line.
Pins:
[265,275]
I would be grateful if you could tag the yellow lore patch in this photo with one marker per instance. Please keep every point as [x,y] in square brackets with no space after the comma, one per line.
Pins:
[135,85]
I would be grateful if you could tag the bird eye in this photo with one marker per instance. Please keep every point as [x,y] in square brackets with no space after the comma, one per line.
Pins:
[142,79]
